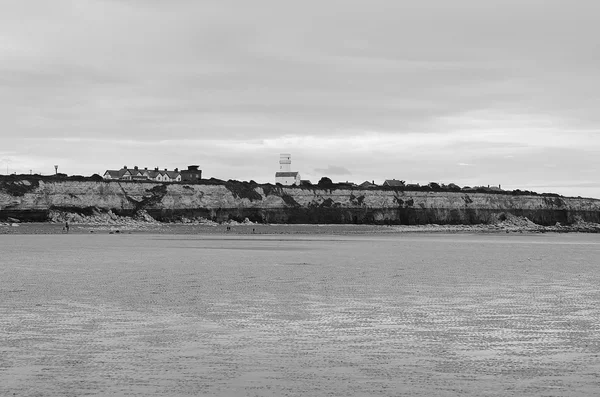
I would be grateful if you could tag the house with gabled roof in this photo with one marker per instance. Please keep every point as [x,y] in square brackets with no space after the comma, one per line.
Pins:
[135,173]
[367,185]
[393,183]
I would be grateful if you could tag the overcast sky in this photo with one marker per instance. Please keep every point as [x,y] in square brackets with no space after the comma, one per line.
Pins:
[474,92]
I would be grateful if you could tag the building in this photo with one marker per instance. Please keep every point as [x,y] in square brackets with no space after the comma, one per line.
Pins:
[286,176]
[367,185]
[137,174]
[393,183]
[192,174]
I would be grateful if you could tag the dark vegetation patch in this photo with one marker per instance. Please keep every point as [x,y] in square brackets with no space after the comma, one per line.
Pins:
[272,190]
[156,195]
[289,200]
[325,183]
[554,201]
[158,190]
[357,200]
[329,203]
[18,187]
[243,190]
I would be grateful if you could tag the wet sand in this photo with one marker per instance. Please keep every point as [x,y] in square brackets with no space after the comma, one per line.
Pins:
[262,229]
[301,314]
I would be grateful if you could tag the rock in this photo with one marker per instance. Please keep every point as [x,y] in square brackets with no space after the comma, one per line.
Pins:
[143,216]
[13,220]
[112,215]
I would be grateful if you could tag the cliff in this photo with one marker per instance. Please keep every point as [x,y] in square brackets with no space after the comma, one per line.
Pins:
[32,199]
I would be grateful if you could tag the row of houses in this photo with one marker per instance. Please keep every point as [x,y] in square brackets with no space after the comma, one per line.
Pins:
[192,174]
[285,176]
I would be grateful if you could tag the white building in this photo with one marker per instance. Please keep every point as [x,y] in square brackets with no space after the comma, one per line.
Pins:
[286,176]
[143,174]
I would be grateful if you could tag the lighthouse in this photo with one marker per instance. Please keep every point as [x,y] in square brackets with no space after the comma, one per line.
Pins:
[285,162]
[285,175]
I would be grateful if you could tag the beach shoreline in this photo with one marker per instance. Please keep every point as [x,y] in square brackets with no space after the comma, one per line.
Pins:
[235,228]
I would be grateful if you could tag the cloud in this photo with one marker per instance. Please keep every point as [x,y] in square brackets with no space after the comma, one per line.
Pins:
[397,88]
[333,170]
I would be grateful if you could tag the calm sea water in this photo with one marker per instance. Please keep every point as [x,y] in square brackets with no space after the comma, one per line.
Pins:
[389,315]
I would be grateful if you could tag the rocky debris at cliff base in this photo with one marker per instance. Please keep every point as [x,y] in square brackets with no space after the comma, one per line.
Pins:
[506,223]
[512,222]
[207,222]
[105,220]
[194,221]
[578,226]
[232,222]
[143,216]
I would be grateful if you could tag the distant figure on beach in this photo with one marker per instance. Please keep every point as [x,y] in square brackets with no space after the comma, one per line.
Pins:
[228,228]
[66,227]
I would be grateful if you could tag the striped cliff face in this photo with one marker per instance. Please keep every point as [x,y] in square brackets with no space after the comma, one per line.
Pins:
[33,199]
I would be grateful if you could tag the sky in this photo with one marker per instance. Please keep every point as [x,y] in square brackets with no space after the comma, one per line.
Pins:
[472,92]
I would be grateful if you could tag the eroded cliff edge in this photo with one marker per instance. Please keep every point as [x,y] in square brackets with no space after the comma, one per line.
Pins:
[31,199]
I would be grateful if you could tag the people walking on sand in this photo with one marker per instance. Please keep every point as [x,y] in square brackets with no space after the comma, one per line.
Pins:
[66,226]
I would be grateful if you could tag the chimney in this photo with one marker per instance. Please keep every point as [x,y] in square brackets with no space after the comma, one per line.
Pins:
[135,167]
[124,167]
[155,168]
[165,169]
[176,169]
[146,168]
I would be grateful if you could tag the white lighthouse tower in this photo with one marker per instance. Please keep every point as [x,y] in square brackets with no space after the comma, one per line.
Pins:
[285,162]
[286,176]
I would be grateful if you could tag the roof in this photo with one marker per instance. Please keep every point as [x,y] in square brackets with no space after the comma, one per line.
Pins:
[194,171]
[393,182]
[286,174]
[367,184]
[117,173]
[136,173]
[112,173]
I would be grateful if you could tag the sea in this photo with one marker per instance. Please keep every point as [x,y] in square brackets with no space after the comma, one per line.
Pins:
[391,314]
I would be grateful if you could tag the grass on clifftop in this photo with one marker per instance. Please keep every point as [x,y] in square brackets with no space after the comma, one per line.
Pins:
[247,190]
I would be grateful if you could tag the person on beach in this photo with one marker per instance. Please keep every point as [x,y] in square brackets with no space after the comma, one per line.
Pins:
[66,226]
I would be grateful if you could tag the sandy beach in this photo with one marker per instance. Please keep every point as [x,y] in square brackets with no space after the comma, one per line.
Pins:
[301,314]
[129,226]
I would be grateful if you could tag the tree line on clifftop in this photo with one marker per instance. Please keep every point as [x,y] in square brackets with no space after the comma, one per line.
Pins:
[243,189]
